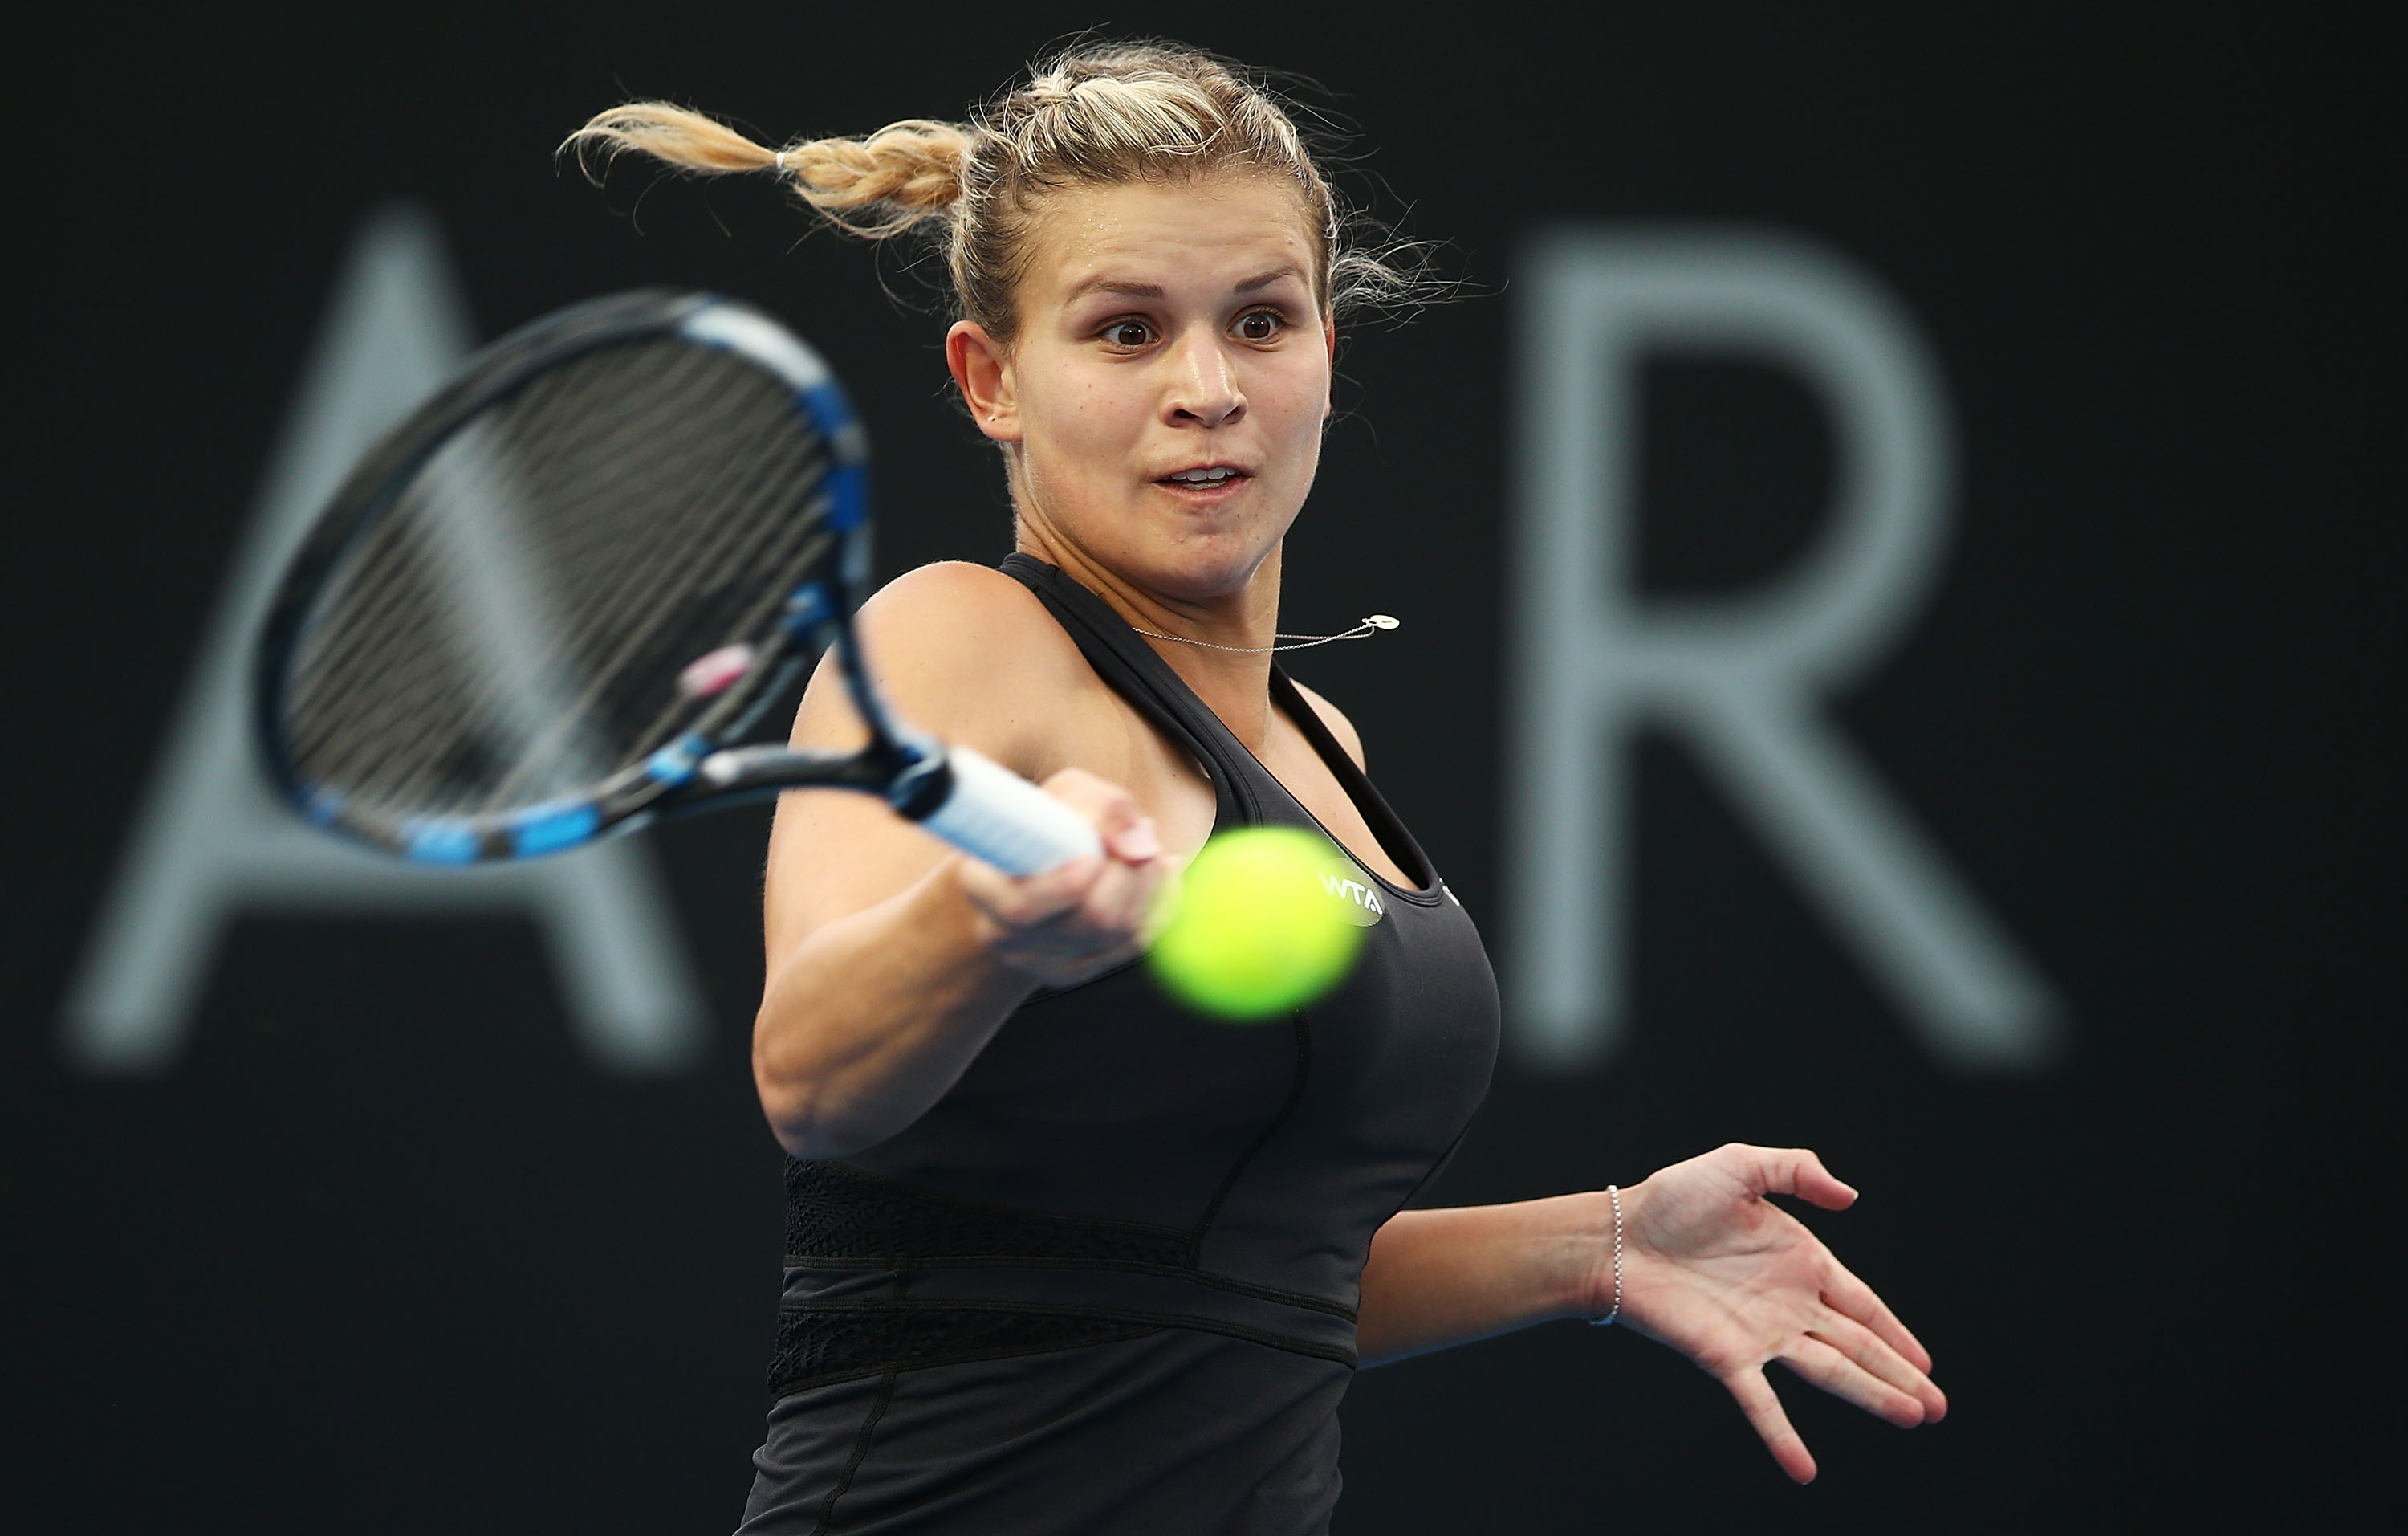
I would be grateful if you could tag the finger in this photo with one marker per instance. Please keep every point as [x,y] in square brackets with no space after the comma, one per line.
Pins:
[1065,924]
[1852,1298]
[1127,831]
[1063,950]
[1787,1170]
[1122,900]
[1162,903]
[1810,1182]
[1019,904]
[1873,1351]
[1844,1378]
[1134,839]
[1757,1400]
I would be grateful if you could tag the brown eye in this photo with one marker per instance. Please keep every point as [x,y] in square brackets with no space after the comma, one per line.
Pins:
[1261,325]
[1127,332]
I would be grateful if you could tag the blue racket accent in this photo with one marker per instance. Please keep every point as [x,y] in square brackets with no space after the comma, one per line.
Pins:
[745,330]
[448,840]
[807,610]
[549,828]
[322,806]
[832,413]
[848,489]
[675,763]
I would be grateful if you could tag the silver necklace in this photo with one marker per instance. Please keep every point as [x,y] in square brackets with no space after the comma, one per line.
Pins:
[1364,630]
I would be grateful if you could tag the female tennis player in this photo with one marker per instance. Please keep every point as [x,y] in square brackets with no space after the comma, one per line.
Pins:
[1063,1256]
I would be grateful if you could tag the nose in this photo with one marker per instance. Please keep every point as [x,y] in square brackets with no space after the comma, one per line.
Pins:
[1204,389]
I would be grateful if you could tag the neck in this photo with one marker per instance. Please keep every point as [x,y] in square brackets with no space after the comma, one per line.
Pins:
[1234,684]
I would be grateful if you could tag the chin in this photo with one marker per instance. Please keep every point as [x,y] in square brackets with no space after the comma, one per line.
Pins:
[1216,566]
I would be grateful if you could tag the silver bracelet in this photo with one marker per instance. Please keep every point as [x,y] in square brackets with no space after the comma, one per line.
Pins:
[1613,1192]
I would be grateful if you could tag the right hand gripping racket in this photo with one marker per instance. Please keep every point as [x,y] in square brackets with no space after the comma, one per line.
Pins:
[554,601]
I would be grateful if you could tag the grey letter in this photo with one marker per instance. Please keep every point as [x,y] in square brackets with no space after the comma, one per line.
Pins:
[212,840]
[1737,680]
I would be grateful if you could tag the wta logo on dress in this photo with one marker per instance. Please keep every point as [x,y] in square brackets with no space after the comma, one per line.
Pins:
[1356,895]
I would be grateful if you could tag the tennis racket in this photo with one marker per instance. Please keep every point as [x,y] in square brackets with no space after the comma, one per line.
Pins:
[554,602]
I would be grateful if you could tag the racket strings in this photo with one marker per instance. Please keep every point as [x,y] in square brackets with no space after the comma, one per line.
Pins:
[624,570]
[343,732]
[787,480]
[549,456]
[394,625]
[393,616]
[649,571]
[637,646]
[784,478]
[562,754]
[511,628]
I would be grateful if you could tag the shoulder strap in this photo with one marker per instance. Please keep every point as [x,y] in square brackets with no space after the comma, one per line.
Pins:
[1240,784]
[1130,669]
[1378,814]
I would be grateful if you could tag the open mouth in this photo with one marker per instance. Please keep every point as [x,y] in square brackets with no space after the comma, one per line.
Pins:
[1210,478]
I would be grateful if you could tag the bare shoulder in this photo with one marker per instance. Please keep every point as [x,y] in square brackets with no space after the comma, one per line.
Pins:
[958,611]
[968,653]
[1335,718]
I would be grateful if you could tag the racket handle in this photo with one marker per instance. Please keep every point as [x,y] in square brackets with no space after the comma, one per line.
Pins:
[994,815]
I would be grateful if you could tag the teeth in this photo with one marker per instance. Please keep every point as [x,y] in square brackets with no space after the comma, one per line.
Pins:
[1203,477]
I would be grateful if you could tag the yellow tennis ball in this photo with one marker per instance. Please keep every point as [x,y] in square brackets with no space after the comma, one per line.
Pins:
[1258,927]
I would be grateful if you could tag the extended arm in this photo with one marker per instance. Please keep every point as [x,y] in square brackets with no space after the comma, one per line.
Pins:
[891,961]
[1445,1277]
[1710,1267]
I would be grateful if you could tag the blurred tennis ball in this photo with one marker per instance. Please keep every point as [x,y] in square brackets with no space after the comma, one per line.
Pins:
[1256,927]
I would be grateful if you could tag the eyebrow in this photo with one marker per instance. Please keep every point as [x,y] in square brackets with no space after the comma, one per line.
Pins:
[1155,289]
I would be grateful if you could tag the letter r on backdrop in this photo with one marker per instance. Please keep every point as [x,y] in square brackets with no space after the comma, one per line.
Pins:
[210,839]
[1739,681]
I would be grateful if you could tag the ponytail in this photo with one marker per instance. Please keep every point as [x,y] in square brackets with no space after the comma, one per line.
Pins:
[876,187]
[1094,114]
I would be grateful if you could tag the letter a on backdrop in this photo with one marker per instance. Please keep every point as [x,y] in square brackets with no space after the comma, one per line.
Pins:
[210,839]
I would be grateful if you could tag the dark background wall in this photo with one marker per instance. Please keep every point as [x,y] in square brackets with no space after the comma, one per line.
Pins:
[383,1251]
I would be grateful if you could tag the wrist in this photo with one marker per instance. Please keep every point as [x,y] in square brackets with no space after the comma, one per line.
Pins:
[1579,1266]
[1607,1263]
[987,945]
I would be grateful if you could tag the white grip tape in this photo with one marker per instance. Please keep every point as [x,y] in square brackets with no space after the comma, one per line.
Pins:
[996,815]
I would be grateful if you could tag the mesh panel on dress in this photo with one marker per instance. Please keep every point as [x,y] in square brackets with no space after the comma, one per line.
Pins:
[835,1214]
[816,1347]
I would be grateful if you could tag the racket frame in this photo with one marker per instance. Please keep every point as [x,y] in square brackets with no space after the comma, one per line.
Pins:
[703,764]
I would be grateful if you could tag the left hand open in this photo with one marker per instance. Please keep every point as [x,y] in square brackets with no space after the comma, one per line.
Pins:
[1717,1272]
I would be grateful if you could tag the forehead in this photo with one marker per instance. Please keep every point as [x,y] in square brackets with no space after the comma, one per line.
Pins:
[1187,232]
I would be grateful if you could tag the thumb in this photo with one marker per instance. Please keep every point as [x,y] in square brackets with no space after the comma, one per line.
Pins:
[1794,1170]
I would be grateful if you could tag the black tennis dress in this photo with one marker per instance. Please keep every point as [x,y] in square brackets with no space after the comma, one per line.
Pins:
[1108,1282]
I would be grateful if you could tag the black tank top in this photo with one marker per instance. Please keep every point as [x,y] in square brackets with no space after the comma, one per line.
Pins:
[1117,1186]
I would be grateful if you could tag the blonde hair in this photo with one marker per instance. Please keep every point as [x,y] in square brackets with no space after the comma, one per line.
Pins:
[1093,114]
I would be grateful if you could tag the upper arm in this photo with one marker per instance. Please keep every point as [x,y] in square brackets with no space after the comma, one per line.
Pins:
[1340,726]
[962,652]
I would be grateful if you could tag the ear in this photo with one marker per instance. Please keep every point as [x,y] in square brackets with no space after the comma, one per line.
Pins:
[983,372]
[1329,341]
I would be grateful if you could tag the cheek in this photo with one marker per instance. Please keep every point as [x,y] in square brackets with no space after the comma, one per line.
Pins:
[1300,401]
[1083,416]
